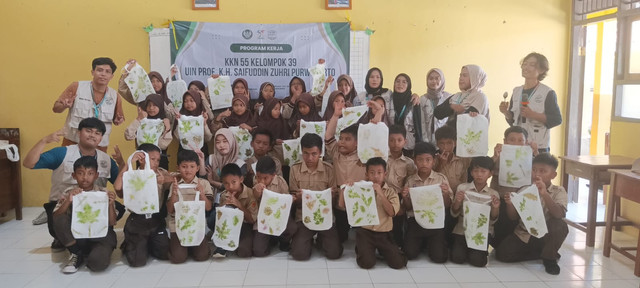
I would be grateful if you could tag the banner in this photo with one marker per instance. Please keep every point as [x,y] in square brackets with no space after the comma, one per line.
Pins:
[259,52]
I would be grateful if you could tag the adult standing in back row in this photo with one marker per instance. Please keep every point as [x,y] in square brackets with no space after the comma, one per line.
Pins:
[533,106]
[86,99]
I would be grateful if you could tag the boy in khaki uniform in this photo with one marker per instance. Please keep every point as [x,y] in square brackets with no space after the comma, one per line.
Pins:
[97,251]
[480,171]
[262,143]
[379,237]
[266,178]
[514,135]
[399,168]
[312,174]
[146,234]
[520,246]
[346,163]
[238,195]
[435,239]
[188,166]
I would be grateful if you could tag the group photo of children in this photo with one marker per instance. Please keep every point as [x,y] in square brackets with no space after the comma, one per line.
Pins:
[397,173]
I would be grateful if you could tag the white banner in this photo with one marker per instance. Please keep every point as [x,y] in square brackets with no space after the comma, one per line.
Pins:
[259,52]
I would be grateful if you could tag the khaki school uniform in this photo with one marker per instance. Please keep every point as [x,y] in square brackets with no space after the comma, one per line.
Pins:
[146,234]
[261,246]
[348,169]
[177,252]
[379,237]
[459,250]
[520,246]
[456,171]
[248,202]
[97,251]
[302,177]
[398,170]
[435,239]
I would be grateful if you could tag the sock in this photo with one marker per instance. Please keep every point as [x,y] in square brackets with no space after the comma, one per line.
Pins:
[75,249]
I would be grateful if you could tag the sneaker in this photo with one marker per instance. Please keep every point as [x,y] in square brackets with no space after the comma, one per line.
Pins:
[41,219]
[56,246]
[74,263]
[551,266]
[219,253]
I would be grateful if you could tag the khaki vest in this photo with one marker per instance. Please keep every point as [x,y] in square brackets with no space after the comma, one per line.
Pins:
[61,179]
[537,131]
[83,108]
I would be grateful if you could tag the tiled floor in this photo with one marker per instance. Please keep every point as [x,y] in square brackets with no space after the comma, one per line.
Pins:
[26,261]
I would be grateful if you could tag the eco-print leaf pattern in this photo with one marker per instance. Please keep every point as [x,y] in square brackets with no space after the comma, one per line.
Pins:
[189,215]
[90,218]
[220,92]
[291,151]
[175,91]
[373,141]
[313,127]
[515,166]
[530,210]
[317,212]
[191,131]
[139,83]
[476,220]
[273,213]
[360,202]
[243,138]
[227,228]
[350,116]
[428,206]
[472,138]
[150,131]
[319,78]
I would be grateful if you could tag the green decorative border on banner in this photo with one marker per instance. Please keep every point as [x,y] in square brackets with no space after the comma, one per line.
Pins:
[339,34]
[184,30]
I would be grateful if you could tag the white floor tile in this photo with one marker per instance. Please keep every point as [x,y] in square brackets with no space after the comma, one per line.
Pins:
[385,275]
[524,284]
[349,276]
[266,277]
[307,276]
[513,274]
[395,285]
[138,280]
[431,275]
[180,279]
[17,280]
[223,278]
[439,285]
[482,285]
[612,283]
[472,275]
[568,284]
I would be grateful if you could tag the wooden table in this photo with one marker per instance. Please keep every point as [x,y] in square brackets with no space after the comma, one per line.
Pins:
[594,169]
[10,179]
[624,184]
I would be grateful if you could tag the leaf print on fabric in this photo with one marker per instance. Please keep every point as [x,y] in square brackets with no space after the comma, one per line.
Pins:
[90,215]
[428,206]
[472,139]
[530,210]
[191,131]
[227,229]
[373,141]
[515,166]
[476,220]
[318,77]
[243,139]
[291,151]
[139,83]
[313,127]
[361,204]
[316,209]
[273,213]
[220,92]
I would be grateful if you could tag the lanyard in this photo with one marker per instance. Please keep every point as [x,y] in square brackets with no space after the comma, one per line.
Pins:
[465,97]
[399,116]
[96,107]
[532,92]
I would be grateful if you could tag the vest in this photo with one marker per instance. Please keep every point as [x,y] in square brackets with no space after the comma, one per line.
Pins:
[61,179]
[83,108]
[537,131]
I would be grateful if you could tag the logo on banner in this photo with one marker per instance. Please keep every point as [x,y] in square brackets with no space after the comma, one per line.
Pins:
[272,34]
[247,34]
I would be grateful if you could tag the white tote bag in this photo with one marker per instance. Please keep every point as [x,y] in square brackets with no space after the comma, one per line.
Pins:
[90,215]
[191,131]
[220,92]
[350,116]
[313,127]
[291,151]
[428,206]
[472,136]
[273,213]
[243,138]
[176,89]
[360,204]
[529,207]
[373,141]
[319,78]
[150,131]
[139,83]
[190,220]
[515,166]
[11,149]
[140,188]
[228,226]
[317,212]
[477,214]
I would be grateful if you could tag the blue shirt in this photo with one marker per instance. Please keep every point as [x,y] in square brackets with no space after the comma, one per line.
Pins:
[53,158]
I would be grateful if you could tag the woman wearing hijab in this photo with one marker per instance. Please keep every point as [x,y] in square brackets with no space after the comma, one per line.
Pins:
[469,99]
[336,97]
[238,115]
[534,106]
[428,102]
[296,88]
[272,120]
[192,106]
[267,91]
[345,85]
[401,110]
[152,108]
[373,87]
